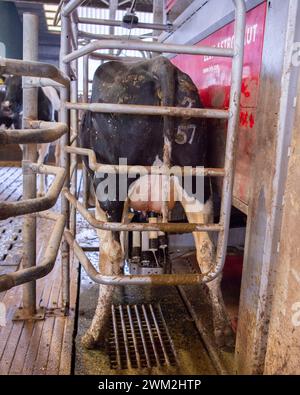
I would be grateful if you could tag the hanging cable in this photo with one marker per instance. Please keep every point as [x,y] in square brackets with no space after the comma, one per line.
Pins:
[132,7]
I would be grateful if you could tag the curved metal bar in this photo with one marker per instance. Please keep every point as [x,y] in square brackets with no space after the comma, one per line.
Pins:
[133,109]
[29,206]
[157,279]
[100,56]
[41,132]
[133,170]
[71,6]
[33,69]
[95,36]
[36,82]
[8,281]
[139,227]
[147,46]
[111,22]
[232,131]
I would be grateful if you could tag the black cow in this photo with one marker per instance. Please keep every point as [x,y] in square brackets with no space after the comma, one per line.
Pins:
[5,121]
[143,140]
[12,111]
[12,105]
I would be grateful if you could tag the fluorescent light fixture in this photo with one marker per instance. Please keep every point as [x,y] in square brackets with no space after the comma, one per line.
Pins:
[50,22]
[50,7]
[50,10]
[54,28]
[49,14]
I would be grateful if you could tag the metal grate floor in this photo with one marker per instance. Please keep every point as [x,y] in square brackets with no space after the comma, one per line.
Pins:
[10,242]
[139,338]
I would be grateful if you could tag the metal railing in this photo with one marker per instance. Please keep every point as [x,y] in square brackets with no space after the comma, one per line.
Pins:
[10,280]
[34,132]
[69,54]
[232,115]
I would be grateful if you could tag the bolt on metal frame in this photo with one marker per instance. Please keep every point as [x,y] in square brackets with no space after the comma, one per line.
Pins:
[232,115]
[34,132]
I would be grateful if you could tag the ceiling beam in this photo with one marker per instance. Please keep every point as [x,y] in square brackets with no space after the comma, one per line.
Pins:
[142,5]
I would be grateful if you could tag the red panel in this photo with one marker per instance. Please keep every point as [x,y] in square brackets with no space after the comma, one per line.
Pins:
[212,76]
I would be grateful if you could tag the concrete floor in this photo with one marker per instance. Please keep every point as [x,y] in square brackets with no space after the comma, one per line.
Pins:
[191,353]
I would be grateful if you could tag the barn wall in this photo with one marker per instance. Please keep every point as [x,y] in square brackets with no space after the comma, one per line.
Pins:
[210,23]
[283,344]
[268,254]
[11,34]
[269,311]
[212,76]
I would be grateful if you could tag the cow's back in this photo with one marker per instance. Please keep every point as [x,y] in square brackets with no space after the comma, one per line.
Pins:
[140,138]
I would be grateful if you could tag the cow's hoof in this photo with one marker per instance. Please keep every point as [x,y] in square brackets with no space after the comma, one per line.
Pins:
[88,341]
[225,337]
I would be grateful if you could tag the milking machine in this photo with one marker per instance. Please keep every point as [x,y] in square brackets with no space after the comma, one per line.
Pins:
[148,251]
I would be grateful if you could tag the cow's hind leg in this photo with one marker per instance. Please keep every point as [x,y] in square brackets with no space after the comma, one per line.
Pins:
[111,259]
[199,213]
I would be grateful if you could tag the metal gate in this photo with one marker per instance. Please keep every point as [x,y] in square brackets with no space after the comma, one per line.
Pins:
[67,174]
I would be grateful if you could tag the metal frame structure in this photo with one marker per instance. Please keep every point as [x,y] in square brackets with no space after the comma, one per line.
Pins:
[70,52]
[232,115]
[34,132]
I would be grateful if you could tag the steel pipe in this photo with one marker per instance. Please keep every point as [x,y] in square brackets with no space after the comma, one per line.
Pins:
[85,98]
[65,160]
[33,69]
[147,46]
[8,281]
[71,6]
[100,56]
[29,206]
[36,82]
[94,36]
[41,132]
[133,170]
[121,280]
[132,109]
[73,168]
[74,34]
[73,138]
[231,140]
[73,134]
[138,227]
[30,110]
[110,22]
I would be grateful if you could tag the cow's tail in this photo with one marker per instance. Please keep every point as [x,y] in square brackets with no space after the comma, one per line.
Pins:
[166,77]
[165,73]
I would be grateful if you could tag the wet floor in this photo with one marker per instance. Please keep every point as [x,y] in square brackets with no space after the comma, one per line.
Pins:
[191,354]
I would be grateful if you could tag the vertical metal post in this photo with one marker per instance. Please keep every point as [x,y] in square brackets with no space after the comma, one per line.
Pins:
[159,12]
[65,163]
[30,110]
[85,99]
[113,6]
[74,131]
[235,95]
[158,15]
